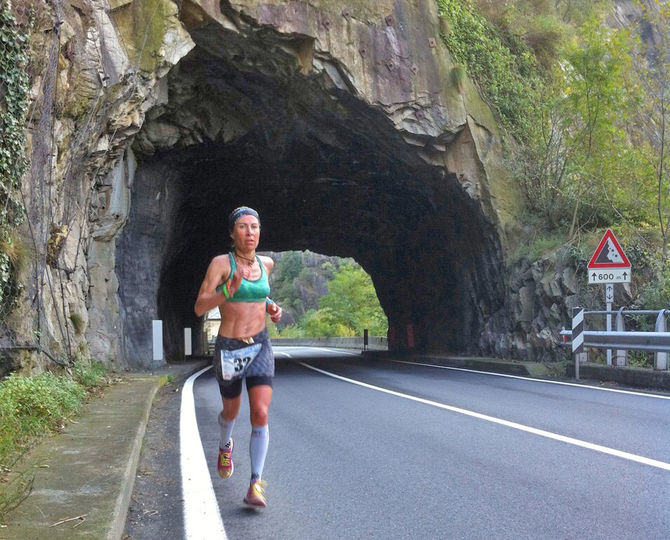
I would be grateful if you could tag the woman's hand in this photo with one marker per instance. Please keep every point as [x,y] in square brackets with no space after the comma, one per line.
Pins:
[275,316]
[273,310]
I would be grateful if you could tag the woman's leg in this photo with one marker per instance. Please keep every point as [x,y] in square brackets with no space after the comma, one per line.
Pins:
[260,397]
[231,408]
[226,419]
[259,404]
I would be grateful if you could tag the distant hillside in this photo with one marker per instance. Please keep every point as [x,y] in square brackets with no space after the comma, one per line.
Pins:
[299,280]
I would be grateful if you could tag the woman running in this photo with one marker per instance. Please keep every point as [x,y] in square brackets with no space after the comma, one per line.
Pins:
[237,283]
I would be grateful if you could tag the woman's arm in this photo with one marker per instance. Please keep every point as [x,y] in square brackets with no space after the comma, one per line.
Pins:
[267,262]
[217,272]
[273,309]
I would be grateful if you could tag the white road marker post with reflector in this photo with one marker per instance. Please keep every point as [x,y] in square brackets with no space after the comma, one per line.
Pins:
[577,336]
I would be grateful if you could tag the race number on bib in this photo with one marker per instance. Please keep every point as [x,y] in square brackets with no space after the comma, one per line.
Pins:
[234,364]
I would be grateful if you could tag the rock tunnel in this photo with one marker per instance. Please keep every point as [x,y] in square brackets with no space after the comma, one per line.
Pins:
[238,123]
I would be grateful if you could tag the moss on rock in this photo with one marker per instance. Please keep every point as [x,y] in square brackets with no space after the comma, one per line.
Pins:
[142,27]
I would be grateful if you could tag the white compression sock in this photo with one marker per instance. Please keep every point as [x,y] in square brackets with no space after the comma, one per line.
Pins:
[226,431]
[258,449]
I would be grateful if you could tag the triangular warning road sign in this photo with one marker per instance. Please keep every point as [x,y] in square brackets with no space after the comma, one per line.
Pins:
[609,254]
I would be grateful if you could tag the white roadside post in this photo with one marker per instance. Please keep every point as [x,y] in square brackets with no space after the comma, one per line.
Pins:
[621,356]
[577,337]
[188,347]
[157,328]
[609,298]
[661,358]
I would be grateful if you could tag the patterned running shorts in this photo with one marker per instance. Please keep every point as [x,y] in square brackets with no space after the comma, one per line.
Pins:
[261,370]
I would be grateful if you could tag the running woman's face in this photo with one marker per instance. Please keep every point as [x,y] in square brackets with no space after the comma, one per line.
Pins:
[246,233]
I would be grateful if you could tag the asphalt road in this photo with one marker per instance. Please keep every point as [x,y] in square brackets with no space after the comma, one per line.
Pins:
[389,450]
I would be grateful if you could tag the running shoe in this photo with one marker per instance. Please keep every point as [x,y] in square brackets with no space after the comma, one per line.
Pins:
[255,495]
[225,463]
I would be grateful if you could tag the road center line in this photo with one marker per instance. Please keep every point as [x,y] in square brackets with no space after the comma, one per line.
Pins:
[202,517]
[542,433]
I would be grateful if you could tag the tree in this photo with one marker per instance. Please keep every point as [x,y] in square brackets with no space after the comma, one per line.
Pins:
[350,306]
[596,107]
[352,302]
[325,323]
[577,10]
[581,168]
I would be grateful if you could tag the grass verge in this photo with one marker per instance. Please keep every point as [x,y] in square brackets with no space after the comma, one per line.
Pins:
[35,407]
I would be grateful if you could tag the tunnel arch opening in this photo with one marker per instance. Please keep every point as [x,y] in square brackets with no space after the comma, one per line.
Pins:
[302,282]
[327,173]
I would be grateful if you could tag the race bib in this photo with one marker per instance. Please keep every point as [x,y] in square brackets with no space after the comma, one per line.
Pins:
[234,364]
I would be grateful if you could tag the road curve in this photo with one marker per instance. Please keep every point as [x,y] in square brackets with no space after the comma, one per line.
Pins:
[382,449]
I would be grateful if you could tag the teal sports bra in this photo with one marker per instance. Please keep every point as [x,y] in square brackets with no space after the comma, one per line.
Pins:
[250,291]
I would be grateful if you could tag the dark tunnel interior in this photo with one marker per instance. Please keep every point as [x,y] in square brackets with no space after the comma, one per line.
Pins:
[326,173]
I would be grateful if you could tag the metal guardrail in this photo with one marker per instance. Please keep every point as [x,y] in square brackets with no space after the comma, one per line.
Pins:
[621,340]
[632,341]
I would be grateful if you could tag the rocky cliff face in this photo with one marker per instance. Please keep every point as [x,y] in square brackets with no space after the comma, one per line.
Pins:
[93,80]
[153,119]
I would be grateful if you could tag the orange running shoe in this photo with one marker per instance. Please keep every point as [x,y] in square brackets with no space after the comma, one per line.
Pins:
[225,463]
[255,495]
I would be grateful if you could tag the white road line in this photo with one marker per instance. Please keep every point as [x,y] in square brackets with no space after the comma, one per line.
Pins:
[514,425]
[202,517]
[335,351]
[534,379]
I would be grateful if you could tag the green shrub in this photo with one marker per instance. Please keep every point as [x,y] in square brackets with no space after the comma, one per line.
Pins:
[36,406]
[656,295]
[293,331]
[14,492]
[31,407]
[89,374]
[641,359]
[539,245]
[503,66]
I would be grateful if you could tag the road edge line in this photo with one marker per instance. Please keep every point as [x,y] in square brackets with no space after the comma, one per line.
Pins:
[202,516]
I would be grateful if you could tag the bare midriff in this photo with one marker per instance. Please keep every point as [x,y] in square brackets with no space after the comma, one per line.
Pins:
[240,320]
